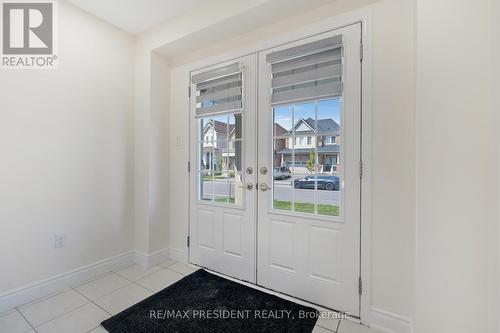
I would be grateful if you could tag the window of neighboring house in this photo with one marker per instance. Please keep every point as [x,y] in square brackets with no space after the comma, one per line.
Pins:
[330,139]
[309,140]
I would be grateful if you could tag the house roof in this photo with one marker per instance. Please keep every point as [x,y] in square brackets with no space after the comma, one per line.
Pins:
[279,130]
[219,126]
[321,150]
[323,125]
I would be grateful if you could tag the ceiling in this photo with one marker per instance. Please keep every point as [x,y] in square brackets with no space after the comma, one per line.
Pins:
[136,16]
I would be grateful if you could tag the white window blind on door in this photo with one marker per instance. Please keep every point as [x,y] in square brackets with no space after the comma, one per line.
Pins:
[308,71]
[219,91]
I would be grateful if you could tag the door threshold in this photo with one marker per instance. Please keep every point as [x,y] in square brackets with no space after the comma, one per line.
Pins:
[280,294]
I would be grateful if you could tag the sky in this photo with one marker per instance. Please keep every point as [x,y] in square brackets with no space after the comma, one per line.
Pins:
[329,108]
[326,109]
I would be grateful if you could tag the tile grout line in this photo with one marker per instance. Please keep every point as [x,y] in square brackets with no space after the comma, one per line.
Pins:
[61,315]
[26,319]
[145,276]
[108,273]
[156,291]
[94,278]
[339,322]
[38,300]
[338,325]
[93,301]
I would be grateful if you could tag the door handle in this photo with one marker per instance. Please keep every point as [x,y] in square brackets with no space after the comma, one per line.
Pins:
[264,187]
[248,186]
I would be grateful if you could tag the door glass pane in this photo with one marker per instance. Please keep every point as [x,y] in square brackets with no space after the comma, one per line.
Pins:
[304,193]
[205,186]
[235,128]
[206,156]
[282,194]
[282,121]
[281,157]
[328,195]
[236,189]
[310,151]
[220,159]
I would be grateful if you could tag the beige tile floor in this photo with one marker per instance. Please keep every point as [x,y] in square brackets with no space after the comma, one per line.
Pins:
[81,308]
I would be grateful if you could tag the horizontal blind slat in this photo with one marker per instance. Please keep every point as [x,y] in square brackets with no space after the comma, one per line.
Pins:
[312,75]
[221,94]
[331,89]
[219,108]
[219,82]
[305,49]
[216,73]
[312,59]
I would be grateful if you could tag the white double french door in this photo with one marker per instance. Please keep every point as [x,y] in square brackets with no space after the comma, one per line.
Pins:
[275,182]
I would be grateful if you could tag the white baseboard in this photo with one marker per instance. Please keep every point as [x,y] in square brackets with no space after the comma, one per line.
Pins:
[389,322]
[33,291]
[178,255]
[149,260]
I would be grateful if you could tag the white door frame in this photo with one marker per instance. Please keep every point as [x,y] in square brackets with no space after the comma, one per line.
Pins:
[362,16]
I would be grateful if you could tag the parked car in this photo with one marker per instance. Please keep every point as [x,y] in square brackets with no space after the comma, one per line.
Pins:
[329,183]
[281,173]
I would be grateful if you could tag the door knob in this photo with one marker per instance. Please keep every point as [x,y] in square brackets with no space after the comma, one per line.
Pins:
[248,186]
[264,187]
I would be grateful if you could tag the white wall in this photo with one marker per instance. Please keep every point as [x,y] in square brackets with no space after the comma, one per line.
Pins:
[66,154]
[456,196]
[393,219]
[151,150]
[494,228]
[159,205]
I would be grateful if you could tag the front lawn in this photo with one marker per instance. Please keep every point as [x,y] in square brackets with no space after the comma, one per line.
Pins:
[302,207]
[306,207]
[224,200]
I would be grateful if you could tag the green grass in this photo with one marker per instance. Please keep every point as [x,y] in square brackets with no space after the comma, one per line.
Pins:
[302,207]
[305,207]
[224,200]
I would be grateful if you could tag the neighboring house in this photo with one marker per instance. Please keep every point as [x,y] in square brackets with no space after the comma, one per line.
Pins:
[218,145]
[279,143]
[302,140]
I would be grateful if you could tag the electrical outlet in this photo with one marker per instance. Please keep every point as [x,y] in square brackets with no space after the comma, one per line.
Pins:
[59,241]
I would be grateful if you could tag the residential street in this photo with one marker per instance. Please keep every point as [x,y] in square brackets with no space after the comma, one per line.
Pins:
[283,191]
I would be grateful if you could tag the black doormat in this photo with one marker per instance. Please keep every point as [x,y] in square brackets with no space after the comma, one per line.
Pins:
[204,302]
